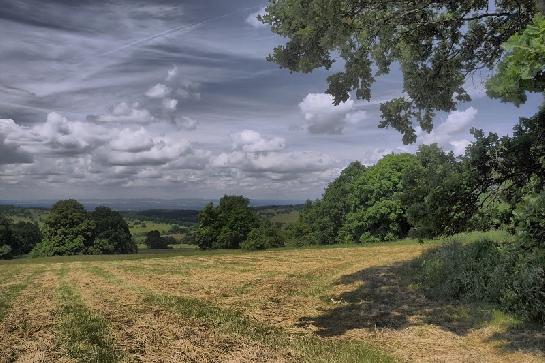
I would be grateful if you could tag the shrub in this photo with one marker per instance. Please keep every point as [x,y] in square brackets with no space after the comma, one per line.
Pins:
[529,220]
[497,272]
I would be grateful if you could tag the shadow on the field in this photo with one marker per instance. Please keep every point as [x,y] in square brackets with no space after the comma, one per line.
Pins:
[383,297]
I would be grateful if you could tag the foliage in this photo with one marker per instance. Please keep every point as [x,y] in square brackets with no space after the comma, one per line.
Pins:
[376,211]
[529,219]
[155,241]
[26,235]
[439,193]
[320,221]
[523,68]
[263,237]
[5,238]
[496,272]
[227,225]
[68,230]
[111,232]
[436,44]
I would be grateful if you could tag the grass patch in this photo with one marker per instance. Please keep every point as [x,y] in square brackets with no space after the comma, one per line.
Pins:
[84,334]
[9,293]
[306,348]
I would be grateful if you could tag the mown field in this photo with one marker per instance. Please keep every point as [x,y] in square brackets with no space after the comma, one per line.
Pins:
[337,304]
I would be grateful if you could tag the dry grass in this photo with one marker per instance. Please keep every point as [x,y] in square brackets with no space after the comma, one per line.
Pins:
[327,304]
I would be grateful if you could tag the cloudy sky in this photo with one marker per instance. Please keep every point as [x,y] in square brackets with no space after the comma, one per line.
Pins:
[174,99]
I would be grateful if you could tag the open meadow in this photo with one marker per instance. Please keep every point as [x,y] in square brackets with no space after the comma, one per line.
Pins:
[327,304]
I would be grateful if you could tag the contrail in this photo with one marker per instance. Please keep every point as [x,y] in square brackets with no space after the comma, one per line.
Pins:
[185,28]
[28,107]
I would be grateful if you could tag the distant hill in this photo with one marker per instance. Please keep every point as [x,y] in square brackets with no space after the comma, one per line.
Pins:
[144,203]
[177,216]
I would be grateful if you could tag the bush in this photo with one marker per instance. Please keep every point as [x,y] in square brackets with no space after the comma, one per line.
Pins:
[529,220]
[497,272]
[263,237]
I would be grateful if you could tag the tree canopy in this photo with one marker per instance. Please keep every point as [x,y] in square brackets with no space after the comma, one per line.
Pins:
[70,230]
[437,44]
[227,225]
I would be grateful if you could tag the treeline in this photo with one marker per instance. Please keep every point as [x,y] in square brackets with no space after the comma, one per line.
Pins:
[17,238]
[177,216]
[68,229]
[431,193]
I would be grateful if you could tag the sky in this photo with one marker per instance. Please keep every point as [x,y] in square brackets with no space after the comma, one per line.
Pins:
[175,99]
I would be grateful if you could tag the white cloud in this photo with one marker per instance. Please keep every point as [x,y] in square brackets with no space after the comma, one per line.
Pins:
[457,122]
[172,73]
[253,21]
[448,134]
[158,91]
[57,135]
[356,117]
[133,141]
[276,162]
[170,104]
[252,141]
[124,112]
[323,117]
[161,152]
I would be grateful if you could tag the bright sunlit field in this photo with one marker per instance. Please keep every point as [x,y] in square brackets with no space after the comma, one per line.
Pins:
[343,304]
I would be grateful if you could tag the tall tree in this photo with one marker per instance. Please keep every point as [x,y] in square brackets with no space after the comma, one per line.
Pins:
[437,44]
[320,221]
[68,230]
[227,225]
[376,211]
[112,232]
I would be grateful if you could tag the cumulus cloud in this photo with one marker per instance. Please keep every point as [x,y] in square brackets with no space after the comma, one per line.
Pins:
[285,162]
[253,21]
[323,117]
[133,141]
[56,136]
[158,91]
[159,153]
[450,133]
[257,157]
[170,104]
[252,141]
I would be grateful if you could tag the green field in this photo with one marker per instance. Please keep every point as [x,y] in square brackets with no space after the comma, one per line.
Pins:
[332,304]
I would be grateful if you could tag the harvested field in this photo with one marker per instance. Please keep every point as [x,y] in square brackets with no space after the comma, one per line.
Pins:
[349,304]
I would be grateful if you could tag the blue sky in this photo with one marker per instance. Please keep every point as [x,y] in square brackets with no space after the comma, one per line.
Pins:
[174,99]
